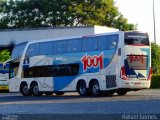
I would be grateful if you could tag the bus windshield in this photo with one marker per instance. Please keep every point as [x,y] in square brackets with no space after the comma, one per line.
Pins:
[136,38]
[18,51]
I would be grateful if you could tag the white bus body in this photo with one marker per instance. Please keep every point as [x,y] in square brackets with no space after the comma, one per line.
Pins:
[103,63]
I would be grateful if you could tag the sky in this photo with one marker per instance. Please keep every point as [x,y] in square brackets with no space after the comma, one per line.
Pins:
[140,12]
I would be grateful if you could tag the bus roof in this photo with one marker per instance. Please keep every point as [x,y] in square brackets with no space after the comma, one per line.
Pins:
[72,37]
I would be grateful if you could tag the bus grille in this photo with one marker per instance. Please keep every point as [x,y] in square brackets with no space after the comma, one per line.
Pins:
[111,81]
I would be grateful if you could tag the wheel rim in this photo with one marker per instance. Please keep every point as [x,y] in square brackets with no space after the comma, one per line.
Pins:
[25,90]
[95,89]
[82,89]
[36,90]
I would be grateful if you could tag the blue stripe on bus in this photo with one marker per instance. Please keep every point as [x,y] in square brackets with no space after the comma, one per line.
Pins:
[62,82]
[147,50]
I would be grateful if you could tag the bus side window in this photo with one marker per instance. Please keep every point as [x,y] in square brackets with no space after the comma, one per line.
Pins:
[89,44]
[45,48]
[74,45]
[102,43]
[107,42]
[113,41]
[59,47]
[33,50]
[52,71]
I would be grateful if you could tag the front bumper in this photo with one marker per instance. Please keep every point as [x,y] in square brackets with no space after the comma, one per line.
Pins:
[4,87]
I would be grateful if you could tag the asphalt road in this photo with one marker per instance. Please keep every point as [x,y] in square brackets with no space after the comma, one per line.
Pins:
[140,102]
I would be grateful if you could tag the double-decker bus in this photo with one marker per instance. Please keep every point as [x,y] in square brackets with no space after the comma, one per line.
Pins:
[115,62]
[4,77]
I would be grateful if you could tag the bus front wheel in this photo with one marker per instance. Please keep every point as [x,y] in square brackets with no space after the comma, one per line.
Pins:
[24,90]
[35,90]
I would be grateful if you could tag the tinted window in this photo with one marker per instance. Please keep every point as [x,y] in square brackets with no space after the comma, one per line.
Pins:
[74,45]
[45,48]
[102,43]
[107,42]
[32,50]
[113,41]
[136,38]
[59,47]
[89,44]
[18,50]
[52,71]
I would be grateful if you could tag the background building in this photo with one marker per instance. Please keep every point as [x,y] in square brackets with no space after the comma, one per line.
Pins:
[8,38]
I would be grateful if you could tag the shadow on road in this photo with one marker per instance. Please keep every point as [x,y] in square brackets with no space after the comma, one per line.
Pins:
[74,97]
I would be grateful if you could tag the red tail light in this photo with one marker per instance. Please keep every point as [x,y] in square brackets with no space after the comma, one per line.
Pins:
[150,74]
[123,73]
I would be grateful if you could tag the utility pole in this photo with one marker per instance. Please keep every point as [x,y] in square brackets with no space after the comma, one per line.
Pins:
[154,25]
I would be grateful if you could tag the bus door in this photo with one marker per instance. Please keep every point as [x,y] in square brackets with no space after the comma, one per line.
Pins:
[13,70]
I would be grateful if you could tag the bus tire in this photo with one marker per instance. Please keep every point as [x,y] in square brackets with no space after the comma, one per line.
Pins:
[81,88]
[121,92]
[59,93]
[24,90]
[48,93]
[35,90]
[95,89]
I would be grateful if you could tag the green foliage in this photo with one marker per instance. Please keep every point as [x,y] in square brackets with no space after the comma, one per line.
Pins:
[35,13]
[4,55]
[155,82]
[155,58]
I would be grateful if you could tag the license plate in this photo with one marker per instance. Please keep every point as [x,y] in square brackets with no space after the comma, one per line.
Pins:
[137,83]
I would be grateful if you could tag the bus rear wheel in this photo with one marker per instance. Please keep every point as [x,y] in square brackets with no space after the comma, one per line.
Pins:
[24,90]
[82,89]
[35,90]
[95,89]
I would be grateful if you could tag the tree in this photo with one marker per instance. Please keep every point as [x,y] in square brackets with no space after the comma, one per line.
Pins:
[122,24]
[35,13]
[4,55]
[155,58]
